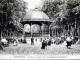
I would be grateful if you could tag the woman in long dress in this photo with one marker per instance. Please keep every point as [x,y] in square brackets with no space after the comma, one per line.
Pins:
[69,42]
[43,44]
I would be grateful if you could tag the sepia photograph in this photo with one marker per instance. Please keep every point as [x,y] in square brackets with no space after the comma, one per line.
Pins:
[42,29]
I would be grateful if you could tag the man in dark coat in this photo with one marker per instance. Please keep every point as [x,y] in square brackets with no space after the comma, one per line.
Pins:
[32,41]
[43,44]
[49,42]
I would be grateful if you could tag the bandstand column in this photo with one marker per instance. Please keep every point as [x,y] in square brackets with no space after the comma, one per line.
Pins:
[23,33]
[49,32]
[42,29]
[31,30]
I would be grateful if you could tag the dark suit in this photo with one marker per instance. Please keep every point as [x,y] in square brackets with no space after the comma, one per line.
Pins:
[32,41]
[43,45]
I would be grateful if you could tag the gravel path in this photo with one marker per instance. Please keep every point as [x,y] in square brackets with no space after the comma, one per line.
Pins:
[27,49]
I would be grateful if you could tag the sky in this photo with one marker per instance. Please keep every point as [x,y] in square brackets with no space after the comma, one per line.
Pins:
[33,3]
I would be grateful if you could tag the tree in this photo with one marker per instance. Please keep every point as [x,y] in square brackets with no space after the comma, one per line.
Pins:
[51,7]
[66,12]
[12,12]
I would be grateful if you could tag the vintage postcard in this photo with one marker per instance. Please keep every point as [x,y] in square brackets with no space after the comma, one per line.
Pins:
[39,29]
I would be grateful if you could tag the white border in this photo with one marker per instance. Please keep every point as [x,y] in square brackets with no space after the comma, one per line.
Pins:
[39,57]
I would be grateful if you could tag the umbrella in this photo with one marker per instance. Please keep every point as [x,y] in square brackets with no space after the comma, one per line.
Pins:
[4,40]
[62,36]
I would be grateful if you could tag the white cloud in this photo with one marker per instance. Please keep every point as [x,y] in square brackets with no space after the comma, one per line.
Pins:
[33,3]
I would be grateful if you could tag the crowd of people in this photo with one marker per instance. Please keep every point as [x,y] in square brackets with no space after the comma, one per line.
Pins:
[59,40]
[45,42]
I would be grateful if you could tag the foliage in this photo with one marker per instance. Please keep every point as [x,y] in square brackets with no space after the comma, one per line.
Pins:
[51,7]
[62,9]
[12,11]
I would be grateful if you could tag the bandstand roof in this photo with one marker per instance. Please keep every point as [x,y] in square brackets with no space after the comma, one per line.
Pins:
[35,15]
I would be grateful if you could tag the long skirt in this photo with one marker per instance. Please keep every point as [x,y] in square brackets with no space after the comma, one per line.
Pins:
[69,43]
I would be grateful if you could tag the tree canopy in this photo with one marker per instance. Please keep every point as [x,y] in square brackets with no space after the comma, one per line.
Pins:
[11,12]
[62,9]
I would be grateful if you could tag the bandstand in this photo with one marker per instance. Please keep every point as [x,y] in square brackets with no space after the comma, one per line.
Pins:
[36,24]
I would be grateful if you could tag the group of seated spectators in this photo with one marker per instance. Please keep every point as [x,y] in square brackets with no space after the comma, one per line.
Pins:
[59,40]
[5,42]
[70,40]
